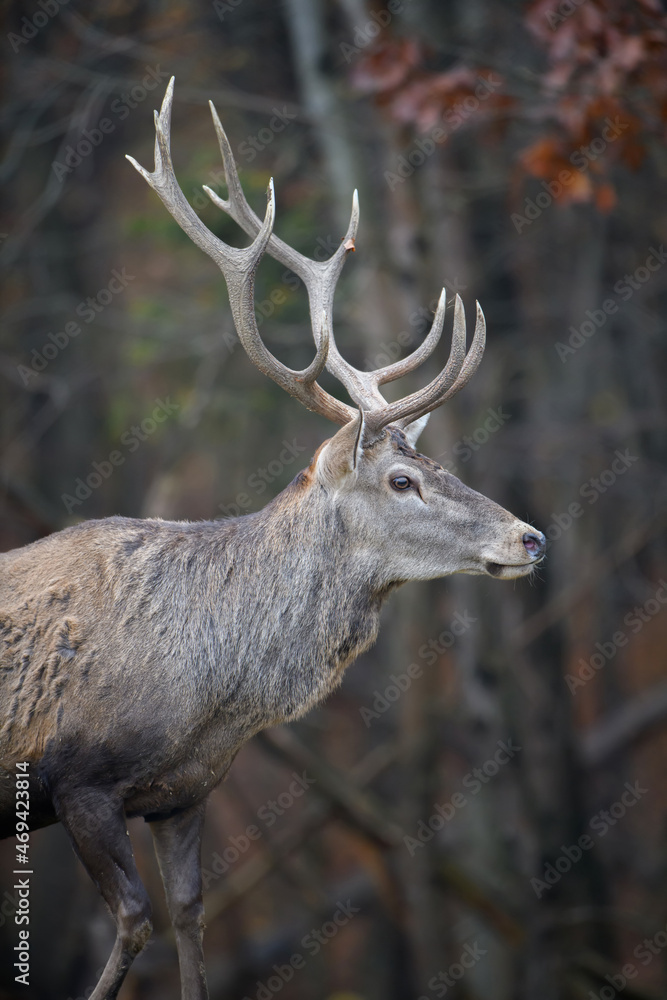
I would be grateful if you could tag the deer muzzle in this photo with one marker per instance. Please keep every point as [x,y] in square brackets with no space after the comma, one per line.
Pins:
[525,553]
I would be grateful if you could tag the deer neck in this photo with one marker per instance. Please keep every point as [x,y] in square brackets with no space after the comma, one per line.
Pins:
[315,604]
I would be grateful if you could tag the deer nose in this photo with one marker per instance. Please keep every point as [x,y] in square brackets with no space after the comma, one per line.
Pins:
[535,543]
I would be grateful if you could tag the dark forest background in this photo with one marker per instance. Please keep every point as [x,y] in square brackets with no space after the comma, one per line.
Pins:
[514,152]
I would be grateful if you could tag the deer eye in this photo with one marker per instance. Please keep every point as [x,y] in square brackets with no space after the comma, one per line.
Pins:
[401,483]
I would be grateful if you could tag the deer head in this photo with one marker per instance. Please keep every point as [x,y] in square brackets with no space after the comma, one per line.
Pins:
[413,519]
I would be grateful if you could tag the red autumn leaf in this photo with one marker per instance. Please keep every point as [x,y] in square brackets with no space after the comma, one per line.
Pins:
[579,188]
[633,153]
[628,52]
[605,197]
[544,158]
[386,66]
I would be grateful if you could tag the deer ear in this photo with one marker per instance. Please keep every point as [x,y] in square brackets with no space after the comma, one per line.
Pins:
[413,430]
[340,456]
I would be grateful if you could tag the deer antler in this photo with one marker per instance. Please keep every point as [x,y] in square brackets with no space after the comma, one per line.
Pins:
[239,268]
[320,278]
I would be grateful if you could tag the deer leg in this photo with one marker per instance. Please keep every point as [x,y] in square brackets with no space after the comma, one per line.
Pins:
[95,823]
[178,847]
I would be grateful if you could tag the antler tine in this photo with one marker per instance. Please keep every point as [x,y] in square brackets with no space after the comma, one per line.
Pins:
[237,207]
[239,267]
[301,384]
[241,286]
[319,277]
[164,183]
[473,357]
[418,356]
[457,372]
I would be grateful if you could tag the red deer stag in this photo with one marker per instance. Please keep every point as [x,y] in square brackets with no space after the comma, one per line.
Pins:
[138,656]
